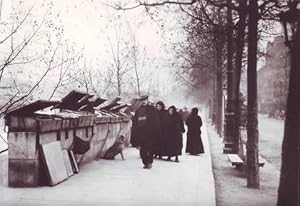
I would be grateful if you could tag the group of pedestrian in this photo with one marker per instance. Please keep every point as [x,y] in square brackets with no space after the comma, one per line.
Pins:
[157,132]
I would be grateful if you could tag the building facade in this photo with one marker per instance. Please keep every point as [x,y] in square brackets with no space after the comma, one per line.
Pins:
[273,79]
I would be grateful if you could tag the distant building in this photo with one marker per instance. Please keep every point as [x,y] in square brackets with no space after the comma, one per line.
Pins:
[273,79]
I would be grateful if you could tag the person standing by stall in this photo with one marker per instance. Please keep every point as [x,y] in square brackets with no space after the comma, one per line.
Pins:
[194,143]
[145,124]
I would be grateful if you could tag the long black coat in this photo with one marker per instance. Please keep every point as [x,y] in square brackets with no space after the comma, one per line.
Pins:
[161,143]
[145,128]
[173,128]
[194,143]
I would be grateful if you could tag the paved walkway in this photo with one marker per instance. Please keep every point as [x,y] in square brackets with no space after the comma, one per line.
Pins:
[118,182]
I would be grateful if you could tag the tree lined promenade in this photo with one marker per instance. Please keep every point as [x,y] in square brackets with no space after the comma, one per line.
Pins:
[217,42]
[252,18]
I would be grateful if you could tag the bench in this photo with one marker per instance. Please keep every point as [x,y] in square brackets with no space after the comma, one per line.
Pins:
[237,161]
[261,161]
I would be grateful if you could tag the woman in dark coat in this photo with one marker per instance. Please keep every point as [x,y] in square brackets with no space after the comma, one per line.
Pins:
[160,147]
[194,144]
[172,133]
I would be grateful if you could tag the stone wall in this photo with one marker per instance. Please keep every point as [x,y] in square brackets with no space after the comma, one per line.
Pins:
[4,169]
[26,134]
[104,136]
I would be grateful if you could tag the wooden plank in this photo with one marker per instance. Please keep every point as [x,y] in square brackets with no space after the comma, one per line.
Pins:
[111,104]
[68,163]
[32,107]
[52,156]
[73,162]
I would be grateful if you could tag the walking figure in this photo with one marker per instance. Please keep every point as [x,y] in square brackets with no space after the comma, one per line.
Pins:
[194,143]
[145,125]
[173,128]
[160,146]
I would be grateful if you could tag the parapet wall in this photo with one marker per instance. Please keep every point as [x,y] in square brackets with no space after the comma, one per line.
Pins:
[3,168]
[27,133]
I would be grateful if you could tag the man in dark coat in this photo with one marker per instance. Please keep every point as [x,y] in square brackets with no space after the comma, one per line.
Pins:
[134,141]
[145,125]
[194,144]
[172,131]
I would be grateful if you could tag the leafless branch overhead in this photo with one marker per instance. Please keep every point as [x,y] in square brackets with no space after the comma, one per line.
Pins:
[160,3]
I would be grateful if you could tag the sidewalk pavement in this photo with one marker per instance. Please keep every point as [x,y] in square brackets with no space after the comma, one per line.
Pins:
[117,182]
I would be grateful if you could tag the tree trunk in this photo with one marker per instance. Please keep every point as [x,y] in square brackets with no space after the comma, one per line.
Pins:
[136,72]
[229,114]
[240,43]
[134,55]
[119,81]
[252,122]
[219,87]
[215,102]
[219,43]
[288,192]
[219,101]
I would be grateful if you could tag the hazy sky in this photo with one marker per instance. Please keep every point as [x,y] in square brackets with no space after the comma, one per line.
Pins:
[91,23]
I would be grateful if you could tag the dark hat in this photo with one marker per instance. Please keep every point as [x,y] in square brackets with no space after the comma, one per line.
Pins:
[161,104]
[195,111]
[172,107]
[143,97]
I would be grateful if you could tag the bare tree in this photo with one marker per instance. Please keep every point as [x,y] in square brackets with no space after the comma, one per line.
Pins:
[135,66]
[288,192]
[68,60]
[15,101]
[29,42]
[120,6]
[257,11]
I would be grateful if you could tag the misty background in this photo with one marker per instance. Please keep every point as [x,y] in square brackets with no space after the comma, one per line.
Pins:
[82,40]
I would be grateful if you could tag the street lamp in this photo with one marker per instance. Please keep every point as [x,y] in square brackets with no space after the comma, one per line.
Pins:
[289,20]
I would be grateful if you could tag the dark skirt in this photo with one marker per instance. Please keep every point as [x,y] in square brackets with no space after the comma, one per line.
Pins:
[194,144]
[172,147]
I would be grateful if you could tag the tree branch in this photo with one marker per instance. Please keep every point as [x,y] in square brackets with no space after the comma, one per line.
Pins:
[144,3]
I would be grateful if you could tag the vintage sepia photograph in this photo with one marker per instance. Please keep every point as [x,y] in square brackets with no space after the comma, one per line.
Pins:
[149,102]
